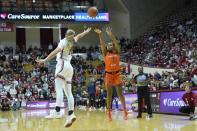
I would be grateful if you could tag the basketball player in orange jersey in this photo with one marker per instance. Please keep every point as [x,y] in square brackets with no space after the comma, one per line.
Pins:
[113,75]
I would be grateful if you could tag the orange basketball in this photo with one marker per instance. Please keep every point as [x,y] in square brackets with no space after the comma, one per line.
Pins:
[92,12]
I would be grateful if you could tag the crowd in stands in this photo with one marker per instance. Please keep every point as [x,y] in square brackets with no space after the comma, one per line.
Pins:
[47,5]
[21,79]
[171,46]
[20,84]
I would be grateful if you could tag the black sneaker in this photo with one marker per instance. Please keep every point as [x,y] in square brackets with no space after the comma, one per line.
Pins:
[139,116]
[150,115]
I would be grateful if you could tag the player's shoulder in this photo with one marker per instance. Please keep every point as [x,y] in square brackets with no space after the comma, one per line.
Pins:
[63,40]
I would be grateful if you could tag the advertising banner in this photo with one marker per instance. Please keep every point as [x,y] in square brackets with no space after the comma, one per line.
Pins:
[170,102]
[129,98]
[42,105]
[74,16]
[42,112]
[164,102]
[6,27]
[84,17]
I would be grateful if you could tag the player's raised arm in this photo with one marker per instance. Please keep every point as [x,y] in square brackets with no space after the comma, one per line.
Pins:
[79,36]
[103,46]
[109,33]
[50,56]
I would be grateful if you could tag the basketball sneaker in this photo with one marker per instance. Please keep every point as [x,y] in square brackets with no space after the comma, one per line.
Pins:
[109,115]
[54,114]
[70,120]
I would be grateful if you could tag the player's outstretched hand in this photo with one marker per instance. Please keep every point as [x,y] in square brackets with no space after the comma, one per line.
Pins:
[88,29]
[98,31]
[41,61]
[109,31]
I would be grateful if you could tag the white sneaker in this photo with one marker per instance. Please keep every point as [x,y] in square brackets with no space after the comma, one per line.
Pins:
[54,114]
[70,120]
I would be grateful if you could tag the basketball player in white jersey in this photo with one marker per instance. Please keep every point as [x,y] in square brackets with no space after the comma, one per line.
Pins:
[64,73]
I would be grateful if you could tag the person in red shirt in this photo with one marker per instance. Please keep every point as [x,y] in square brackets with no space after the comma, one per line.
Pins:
[190,99]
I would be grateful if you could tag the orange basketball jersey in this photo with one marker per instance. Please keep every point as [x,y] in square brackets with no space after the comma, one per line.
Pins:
[112,62]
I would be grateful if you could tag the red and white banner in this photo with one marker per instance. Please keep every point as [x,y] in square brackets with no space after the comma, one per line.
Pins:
[6,27]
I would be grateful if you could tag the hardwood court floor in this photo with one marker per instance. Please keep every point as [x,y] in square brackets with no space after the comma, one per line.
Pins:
[93,121]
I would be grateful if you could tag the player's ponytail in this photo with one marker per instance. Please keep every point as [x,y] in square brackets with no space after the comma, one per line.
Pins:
[71,42]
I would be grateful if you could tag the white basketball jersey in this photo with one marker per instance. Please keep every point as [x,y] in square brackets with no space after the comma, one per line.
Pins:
[65,54]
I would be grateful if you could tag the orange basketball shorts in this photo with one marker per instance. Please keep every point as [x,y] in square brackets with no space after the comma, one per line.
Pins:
[113,79]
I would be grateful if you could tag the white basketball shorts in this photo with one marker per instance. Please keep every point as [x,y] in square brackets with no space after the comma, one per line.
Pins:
[64,70]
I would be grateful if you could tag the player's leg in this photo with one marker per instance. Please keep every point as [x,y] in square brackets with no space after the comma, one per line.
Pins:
[109,100]
[90,101]
[108,83]
[192,115]
[185,109]
[71,116]
[59,92]
[69,95]
[59,84]
[120,95]
[112,98]
[68,91]
[118,82]
[94,101]
[122,99]
[195,113]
